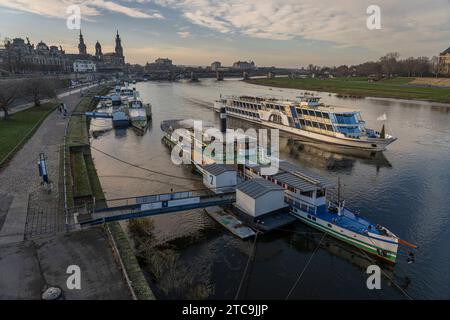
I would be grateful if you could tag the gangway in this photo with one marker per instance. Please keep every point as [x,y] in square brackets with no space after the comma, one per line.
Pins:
[144,206]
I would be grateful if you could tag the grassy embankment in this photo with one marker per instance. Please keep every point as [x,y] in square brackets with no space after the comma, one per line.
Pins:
[400,88]
[20,127]
[83,184]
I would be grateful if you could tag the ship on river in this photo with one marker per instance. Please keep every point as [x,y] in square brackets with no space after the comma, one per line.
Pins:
[307,117]
[308,195]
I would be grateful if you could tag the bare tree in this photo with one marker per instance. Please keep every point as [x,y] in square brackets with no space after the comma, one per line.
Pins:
[40,89]
[435,66]
[389,63]
[9,92]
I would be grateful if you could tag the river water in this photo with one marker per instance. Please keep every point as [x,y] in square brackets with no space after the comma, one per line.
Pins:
[406,188]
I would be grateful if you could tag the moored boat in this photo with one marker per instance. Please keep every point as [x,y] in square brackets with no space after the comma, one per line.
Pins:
[308,195]
[307,117]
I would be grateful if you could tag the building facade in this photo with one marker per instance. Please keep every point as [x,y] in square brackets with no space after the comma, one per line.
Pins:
[244,65]
[20,56]
[83,66]
[110,61]
[444,62]
[216,65]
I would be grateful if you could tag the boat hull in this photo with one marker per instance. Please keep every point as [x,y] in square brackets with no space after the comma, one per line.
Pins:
[376,246]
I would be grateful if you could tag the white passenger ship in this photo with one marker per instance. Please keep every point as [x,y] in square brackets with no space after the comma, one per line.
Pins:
[307,117]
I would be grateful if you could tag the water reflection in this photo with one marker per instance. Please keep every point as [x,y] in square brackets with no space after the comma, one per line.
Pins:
[329,157]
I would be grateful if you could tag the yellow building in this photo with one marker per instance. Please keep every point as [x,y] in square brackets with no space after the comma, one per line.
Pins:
[444,61]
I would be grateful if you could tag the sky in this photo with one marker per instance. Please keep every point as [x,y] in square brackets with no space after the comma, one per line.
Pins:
[282,33]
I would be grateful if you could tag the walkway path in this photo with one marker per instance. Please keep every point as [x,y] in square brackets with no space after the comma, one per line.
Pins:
[20,179]
[33,252]
[27,105]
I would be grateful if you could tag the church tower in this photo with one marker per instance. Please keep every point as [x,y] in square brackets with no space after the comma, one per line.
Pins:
[119,49]
[98,50]
[81,46]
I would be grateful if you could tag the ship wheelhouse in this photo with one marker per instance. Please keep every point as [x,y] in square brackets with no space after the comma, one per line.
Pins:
[349,124]
[304,190]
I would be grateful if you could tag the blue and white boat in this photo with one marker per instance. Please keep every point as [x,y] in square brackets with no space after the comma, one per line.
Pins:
[307,117]
[308,195]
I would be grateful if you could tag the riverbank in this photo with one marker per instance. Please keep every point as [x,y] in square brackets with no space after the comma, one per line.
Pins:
[35,249]
[83,184]
[398,88]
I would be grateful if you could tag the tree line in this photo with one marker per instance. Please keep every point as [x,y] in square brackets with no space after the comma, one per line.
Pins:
[389,65]
[26,90]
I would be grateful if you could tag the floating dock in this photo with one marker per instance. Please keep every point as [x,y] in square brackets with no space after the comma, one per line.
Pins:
[230,222]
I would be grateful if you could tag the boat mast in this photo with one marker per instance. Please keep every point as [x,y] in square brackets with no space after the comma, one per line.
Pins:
[339,192]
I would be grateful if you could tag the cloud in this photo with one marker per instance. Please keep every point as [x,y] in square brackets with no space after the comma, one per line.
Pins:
[92,8]
[183,34]
[407,25]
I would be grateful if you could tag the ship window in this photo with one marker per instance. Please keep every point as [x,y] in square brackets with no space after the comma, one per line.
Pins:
[292,189]
[329,127]
[309,217]
[314,218]
[321,193]
[311,112]
[308,194]
[322,126]
[302,122]
[318,114]
[326,115]
[330,226]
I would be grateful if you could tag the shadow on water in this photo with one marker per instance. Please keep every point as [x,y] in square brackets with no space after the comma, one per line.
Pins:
[330,157]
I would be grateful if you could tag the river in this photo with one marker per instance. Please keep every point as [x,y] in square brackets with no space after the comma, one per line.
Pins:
[406,188]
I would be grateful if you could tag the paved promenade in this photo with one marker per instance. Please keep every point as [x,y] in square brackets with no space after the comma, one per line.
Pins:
[34,250]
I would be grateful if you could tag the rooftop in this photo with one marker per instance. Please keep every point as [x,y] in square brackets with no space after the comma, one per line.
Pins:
[446,51]
[299,177]
[217,169]
[288,102]
[258,187]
